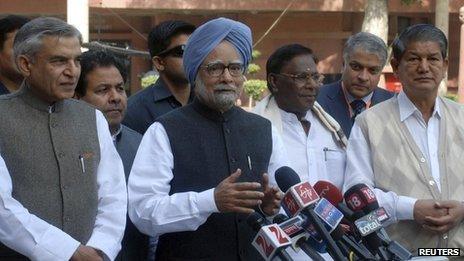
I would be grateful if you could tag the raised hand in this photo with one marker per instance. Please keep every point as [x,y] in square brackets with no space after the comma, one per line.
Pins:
[272,197]
[240,197]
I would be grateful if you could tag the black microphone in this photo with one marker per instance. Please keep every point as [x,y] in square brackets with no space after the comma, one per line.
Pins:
[361,197]
[298,234]
[301,197]
[270,241]
[330,192]
[373,205]
[356,198]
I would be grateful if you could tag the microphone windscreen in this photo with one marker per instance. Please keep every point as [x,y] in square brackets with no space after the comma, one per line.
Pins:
[279,218]
[286,177]
[256,221]
[355,198]
[367,196]
[328,191]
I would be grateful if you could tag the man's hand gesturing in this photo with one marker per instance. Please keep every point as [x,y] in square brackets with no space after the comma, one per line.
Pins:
[240,197]
[272,197]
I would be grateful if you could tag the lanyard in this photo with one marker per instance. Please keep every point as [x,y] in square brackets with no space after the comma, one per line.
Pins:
[350,110]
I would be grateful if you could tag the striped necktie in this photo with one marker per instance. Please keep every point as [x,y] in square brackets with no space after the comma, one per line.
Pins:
[358,106]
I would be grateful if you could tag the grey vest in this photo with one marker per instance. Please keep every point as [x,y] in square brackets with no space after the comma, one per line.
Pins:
[399,166]
[208,146]
[52,154]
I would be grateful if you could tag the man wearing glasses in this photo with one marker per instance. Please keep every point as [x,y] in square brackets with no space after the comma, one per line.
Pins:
[166,44]
[313,139]
[200,170]
[364,57]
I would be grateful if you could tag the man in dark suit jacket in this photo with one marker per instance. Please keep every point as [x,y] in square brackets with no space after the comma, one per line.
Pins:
[166,44]
[364,57]
[101,84]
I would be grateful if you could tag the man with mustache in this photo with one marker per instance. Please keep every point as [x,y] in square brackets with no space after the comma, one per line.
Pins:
[313,139]
[101,84]
[410,147]
[64,196]
[364,57]
[200,169]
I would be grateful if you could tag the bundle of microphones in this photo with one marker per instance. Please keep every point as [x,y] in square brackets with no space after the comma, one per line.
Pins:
[318,222]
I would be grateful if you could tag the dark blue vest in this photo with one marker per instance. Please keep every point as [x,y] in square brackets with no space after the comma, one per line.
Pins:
[208,146]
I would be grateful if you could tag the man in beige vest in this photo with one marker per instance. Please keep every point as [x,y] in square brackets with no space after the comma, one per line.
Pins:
[63,195]
[409,148]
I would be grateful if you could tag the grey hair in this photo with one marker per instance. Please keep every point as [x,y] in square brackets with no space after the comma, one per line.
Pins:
[28,39]
[367,42]
[419,33]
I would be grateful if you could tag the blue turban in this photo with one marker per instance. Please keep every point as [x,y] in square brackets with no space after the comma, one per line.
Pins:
[206,37]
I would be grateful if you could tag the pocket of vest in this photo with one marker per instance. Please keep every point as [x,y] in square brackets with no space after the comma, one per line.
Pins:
[87,162]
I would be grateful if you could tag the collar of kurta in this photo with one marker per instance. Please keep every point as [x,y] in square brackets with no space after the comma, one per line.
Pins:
[29,97]
[212,114]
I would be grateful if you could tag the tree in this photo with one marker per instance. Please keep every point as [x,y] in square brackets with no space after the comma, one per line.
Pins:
[442,22]
[376,18]
[376,22]
[254,88]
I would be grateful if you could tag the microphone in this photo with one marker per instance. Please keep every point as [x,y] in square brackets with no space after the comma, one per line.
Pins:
[270,240]
[356,198]
[301,197]
[293,227]
[330,192]
[361,197]
[333,196]
[372,206]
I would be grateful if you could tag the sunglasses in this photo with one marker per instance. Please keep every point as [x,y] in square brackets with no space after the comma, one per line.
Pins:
[176,51]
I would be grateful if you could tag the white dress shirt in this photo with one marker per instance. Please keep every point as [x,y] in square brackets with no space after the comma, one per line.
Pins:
[315,156]
[359,166]
[151,208]
[35,238]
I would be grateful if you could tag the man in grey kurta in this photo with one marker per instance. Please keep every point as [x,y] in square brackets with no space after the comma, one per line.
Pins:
[63,196]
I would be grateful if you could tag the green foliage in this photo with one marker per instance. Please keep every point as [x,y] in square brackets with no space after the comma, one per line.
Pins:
[254,88]
[148,80]
[253,68]
[410,2]
[452,96]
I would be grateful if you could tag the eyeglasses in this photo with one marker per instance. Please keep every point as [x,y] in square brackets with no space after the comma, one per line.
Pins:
[217,69]
[304,78]
[176,51]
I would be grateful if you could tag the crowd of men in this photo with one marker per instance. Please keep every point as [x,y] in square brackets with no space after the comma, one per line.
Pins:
[173,172]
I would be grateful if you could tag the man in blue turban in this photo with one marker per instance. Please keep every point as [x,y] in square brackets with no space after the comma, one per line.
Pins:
[200,170]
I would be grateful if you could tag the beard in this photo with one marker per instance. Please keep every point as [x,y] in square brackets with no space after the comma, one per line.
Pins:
[222,98]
